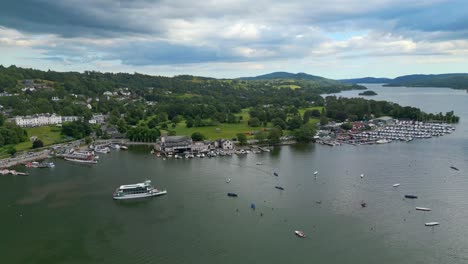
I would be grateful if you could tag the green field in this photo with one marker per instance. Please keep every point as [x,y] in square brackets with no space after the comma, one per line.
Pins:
[229,131]
[302,110]
[290,86]
[222,130]
[48,134]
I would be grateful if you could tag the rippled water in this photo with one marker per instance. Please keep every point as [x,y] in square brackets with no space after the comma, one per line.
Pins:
[67,215]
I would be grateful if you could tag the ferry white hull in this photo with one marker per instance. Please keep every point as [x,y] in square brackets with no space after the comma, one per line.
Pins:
[140,195]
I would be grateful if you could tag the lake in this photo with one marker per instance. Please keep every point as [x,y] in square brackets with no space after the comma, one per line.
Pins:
[67,214]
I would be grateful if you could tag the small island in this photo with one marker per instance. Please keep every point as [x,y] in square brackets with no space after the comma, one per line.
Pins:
[368,93]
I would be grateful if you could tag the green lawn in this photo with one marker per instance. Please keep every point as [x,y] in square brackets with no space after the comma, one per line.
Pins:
[229,131]
[290,86]
[302,110]
[48,134]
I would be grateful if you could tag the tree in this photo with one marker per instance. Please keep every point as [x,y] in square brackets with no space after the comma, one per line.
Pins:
[232,119]
[189,122]
[197,136]
[2,119]
[323,120]
[177,119]
[260,136]
[242,138]
[274,135]
[11,150]
[347,126]
[278,122]
[254,122]
[295,122]
[37,144]
[88,140]
[305,133]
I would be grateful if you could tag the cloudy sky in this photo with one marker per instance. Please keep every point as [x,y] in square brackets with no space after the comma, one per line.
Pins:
[225,38]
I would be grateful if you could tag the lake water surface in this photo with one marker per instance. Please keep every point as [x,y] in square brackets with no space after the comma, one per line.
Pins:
[67,215]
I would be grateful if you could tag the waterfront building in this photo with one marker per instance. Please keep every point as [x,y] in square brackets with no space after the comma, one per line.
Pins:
[200,146]
[175,144]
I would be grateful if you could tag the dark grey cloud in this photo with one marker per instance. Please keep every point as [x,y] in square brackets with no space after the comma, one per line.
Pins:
[70,18]
[164,32]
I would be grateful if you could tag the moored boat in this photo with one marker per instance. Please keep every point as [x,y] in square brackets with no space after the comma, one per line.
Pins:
[300,233]
[410,196]
[103,150]
[43,165]
[123,147]
[276,174]
[138,190]
[423,209]
[85,161]
[232,194]
[279,188]
[114,146]
[454,168]
[432,224]
[396,185]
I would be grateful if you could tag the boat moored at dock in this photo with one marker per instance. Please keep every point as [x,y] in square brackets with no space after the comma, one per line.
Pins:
[138,190]
[410,196]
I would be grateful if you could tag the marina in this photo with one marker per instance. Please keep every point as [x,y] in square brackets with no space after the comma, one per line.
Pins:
[377,132]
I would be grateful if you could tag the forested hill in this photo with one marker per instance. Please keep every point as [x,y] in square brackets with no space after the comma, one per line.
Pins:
[449,80]
[366,80]
[74,93]
[289,76]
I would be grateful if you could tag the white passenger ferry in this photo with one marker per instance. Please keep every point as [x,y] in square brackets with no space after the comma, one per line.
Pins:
[139,190]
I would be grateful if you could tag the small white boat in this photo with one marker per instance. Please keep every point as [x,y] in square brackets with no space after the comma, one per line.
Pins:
[316,172]
[362,176]
[104,150]
[114,146]
[423,209]
[258,163]
[396,185]
[123,147]
[228,180]
[300,233]
[432,224]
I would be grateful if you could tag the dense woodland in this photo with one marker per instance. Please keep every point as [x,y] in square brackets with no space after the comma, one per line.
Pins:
[355,109]
[156,102]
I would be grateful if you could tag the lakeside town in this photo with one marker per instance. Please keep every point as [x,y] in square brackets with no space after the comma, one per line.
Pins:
[380,130]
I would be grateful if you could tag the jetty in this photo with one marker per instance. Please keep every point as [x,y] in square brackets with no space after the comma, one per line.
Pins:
[12,172]
[24,158]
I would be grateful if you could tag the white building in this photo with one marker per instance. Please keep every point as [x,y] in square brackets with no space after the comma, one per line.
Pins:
[98,119]
[38,120]
[227,144]
[71,118]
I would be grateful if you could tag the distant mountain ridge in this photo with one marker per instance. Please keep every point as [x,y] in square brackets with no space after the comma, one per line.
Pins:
[448,80]
[366,80]
[286,75]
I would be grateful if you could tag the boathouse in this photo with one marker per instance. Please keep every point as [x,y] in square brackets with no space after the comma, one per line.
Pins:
[175,144]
